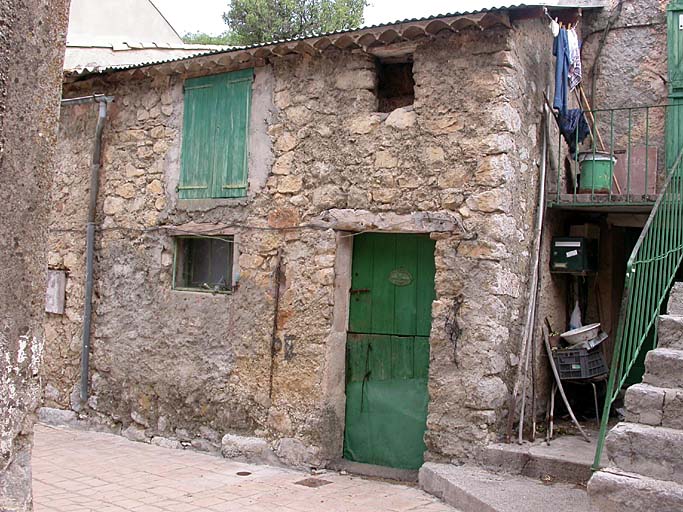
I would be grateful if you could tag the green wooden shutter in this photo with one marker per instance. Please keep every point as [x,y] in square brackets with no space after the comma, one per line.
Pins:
[215,136]
[197,157]
[232,130]
[675,44]
[674,130]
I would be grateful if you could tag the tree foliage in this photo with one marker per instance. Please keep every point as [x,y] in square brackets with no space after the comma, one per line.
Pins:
[260,21]
[203,38]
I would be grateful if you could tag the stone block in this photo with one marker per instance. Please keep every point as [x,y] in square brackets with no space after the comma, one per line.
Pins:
[56,417]
[675,305]
[672,415]
[497,200]
[295,453]
[139,419]
[165,442]
[655,452]
[402,118]
[289,184]
[612,490]
[248,449]
[210,434]
[356,79]
[364,124]
[204,445]
[664,368]
[385,160]
[670,333]
[135,433]
[644,404]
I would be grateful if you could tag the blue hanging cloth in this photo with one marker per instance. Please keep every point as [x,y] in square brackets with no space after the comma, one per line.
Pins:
[574,129]
[561,52]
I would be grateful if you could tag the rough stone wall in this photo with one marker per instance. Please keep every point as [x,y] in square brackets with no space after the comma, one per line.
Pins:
[461,164]
[631,69]
[32,36]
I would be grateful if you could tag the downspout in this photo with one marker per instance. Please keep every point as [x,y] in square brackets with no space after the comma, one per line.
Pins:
[95,166]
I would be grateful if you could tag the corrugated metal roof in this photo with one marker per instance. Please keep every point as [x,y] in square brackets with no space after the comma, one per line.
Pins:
[586,4]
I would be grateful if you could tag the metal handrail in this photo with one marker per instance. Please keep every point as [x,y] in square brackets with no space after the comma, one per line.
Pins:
[650,272]
[619,133]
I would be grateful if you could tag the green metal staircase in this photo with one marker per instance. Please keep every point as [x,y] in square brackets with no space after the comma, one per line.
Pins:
[658,254]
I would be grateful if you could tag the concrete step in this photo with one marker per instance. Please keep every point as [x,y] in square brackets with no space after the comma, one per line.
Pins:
[664,368]
[651,405]
[473,489]
[612,490]
[655,452]
[567,459]
[670,332]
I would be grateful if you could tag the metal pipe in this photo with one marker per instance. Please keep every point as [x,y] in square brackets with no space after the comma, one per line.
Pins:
[95,166]
[95,98]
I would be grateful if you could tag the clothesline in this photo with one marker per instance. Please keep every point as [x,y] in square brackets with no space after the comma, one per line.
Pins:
[559,23]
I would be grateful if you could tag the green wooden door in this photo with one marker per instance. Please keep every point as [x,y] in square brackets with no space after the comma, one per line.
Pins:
[387,349]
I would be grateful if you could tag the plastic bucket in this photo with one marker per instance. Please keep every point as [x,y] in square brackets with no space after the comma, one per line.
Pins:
[596,172]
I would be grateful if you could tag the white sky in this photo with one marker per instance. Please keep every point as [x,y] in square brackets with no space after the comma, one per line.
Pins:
[206,15]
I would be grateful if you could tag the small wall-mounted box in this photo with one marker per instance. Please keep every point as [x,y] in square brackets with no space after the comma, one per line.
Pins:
[56,291]
[574,255]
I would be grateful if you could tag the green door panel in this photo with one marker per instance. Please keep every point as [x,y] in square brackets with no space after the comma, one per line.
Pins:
[385,422]
[392,286]
[387,350]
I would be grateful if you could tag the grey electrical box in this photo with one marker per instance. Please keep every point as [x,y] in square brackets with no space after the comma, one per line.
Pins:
[56,291]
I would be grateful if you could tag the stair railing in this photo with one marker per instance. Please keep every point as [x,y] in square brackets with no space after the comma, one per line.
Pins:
[650,272]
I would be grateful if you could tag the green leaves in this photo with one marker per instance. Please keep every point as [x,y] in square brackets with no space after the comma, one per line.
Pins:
[261,21]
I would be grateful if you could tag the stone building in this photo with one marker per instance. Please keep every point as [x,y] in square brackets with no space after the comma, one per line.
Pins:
[28,128]
[350,277]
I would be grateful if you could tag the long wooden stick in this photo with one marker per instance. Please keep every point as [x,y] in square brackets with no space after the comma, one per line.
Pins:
[520,430]
[559,385]
[533,389]
[590,115]
[533,282]
[553,392]
[590,129]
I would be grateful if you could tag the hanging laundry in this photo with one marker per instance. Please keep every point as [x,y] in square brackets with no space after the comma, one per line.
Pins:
[561,51]
[574,59]
[574,129]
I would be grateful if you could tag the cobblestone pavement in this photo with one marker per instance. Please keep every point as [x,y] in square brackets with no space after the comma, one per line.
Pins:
[76,471]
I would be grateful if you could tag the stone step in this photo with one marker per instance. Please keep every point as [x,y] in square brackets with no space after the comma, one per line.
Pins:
[664,368]
[651,405]
[473,489]
[566,459]
[670,332]
[615,490]
[655,452]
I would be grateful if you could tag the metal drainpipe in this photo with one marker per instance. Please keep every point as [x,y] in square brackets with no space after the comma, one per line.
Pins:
[95,166]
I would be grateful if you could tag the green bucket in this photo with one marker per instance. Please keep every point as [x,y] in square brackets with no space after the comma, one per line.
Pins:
[596,172]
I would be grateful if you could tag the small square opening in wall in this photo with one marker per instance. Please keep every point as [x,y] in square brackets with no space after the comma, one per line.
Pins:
[395,83]
[204,263]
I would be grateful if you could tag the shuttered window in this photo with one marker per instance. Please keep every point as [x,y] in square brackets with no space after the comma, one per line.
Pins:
[215,133]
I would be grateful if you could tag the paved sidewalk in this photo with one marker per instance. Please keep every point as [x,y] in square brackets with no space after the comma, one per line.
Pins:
[75,471]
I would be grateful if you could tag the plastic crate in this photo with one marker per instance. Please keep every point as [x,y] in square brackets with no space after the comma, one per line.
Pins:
[576,364]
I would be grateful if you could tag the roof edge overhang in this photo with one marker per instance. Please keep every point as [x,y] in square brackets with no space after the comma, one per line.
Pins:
[370,39]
